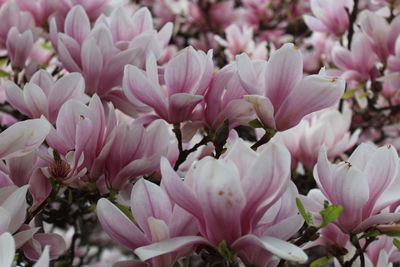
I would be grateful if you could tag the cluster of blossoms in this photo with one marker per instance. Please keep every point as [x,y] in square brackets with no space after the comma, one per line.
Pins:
[199,133]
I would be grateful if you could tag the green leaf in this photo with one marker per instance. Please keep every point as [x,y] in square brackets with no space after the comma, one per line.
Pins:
[392,233]
[4,73]
[225,252]
[320,262]
[330,214]
[304,213]
[350,93]
[396,242]
[256,123]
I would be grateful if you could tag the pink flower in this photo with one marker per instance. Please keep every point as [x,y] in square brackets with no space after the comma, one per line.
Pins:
[19,46]
[142,149]
[358,63]
[11,16]
[381,35]
[330,16]
[97,55]
[224,100]
[328,128]
[280,95]
[239,40]
[186,77]
[364,185]
[157,218]
[228,198]
[43,96]
[88,130]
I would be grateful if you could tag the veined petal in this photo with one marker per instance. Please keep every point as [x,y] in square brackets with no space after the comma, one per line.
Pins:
[181,106]
[182,73]
[77,24]
[137,86]
[263,108]
[168,246]
[219,192]
[280,248]
[149,200]
[118,226]
[16,205]
[313,93]
[284,70]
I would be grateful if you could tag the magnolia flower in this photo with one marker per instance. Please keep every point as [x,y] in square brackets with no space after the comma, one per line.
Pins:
[186,77]
[239,40]
[358,63]
[157,218]
[95,53]
[328,128]
[11,16]
[364,185]
[280,95]
[228,198]
[381,35]
[88,130]
[43,96]
[224,100]
[330,16]
[19,46]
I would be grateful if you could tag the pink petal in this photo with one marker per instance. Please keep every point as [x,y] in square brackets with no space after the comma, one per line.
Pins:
[179,192]
[77,24]
[263,108]
[137,86]
[149,200]
[7,250]
[284,70]
[118,226]
[15,96]
[280,248]
[44,259]
[16,205]
[221,197]
[182,72]
[71,86]
[313,93]
[181,106]
[168,246]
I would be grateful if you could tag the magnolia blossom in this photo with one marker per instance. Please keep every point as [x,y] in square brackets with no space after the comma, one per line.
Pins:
[88,130]
[328,128]
[358,63]
[239,40]
[364,185]
[157,218]
[224,100]
[280,95]
[228,198]
[381,35]
[43,96]
[19,46]
[98,53]
[330,16]
[186,78]
[11,16]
